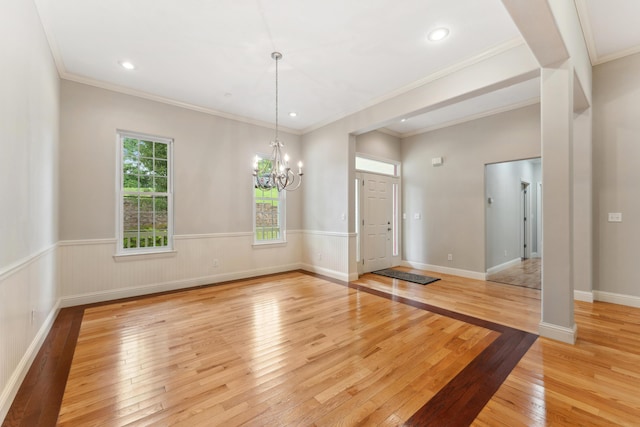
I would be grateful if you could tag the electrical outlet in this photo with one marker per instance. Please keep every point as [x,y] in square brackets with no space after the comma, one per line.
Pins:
[33,315]
[450,257]
[505,253]
[216,263]
[319,256]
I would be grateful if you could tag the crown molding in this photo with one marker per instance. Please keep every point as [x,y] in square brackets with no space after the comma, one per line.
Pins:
[587,31]
[617,55]
[175,103]
[489,53]
[481,115]
[41,8]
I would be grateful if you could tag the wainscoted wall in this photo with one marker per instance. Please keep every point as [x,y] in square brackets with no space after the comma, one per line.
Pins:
[29,304]
[327,253]
[89,272]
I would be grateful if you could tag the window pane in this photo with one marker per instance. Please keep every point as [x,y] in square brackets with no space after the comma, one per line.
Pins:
[130,221]
[162,211]
[160,167]
[146,183]
[146,148]
[160,185]
[146,166]
[375,166]
[160,150]
[130,148]
[130,181]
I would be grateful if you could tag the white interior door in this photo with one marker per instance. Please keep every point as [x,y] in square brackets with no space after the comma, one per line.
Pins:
[377,222]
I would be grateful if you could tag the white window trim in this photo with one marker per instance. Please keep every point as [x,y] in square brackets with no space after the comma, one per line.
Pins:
[121,253]
[282,241]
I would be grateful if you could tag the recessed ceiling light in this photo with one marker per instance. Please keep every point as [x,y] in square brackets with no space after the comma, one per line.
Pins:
[293,114]
[128,65]
[438,34]
[403,120]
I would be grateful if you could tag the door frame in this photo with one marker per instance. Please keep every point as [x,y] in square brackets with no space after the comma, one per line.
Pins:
[525,219]
[361,250]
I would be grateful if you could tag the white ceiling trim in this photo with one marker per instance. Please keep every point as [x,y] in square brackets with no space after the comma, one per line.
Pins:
[53,45]
[585,22]
[504,47]
[481,115]
[175,103]
[587,31]
[617,55]
[63,74]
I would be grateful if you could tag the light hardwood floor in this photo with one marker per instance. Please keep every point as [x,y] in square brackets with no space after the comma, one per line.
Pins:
[298,349]
[595,382]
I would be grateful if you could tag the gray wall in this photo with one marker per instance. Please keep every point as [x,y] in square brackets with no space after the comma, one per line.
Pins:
[450,198]
[503,215]
[28,135]
[616,154]
[379,144]
[29,115]
[213,157]
[328,178]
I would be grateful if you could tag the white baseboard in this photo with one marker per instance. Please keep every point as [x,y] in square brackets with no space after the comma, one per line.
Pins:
[628,300]
[94,297]
[345,277]
[15,381]
[558,333]
[583,296]
[445,270]
[504,266]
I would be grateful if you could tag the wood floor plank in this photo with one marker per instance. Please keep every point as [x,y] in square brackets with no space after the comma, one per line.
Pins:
[295,349]
[363,346]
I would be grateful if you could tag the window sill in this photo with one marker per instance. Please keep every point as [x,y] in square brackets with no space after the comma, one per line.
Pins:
[138,256]
[276,244]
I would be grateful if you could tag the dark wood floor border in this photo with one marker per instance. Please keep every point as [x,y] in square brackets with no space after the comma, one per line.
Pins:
[458,403]
[39,397]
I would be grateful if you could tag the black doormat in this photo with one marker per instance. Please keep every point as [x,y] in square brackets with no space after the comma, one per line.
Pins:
[409,277]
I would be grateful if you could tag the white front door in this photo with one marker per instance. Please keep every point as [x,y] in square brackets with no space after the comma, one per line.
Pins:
[377,222]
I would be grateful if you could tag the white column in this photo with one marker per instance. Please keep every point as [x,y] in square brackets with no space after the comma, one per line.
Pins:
[556,100]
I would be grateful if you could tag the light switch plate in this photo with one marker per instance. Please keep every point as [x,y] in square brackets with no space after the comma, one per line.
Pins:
[615,217]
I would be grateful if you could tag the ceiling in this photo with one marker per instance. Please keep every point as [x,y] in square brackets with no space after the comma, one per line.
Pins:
[339,56]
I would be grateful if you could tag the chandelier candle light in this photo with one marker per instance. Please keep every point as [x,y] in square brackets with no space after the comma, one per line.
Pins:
[276,172]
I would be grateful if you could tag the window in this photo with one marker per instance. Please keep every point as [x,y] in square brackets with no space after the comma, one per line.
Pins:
[145,222]
[376,166]
[268,212]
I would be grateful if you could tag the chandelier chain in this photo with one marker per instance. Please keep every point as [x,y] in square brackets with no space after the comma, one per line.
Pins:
[277,58]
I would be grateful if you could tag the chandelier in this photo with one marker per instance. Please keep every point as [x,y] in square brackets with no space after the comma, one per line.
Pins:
[275,172]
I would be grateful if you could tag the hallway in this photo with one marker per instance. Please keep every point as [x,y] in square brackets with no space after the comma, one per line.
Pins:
[527,274]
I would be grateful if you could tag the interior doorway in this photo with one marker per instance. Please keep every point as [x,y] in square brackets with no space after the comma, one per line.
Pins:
[513,222]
